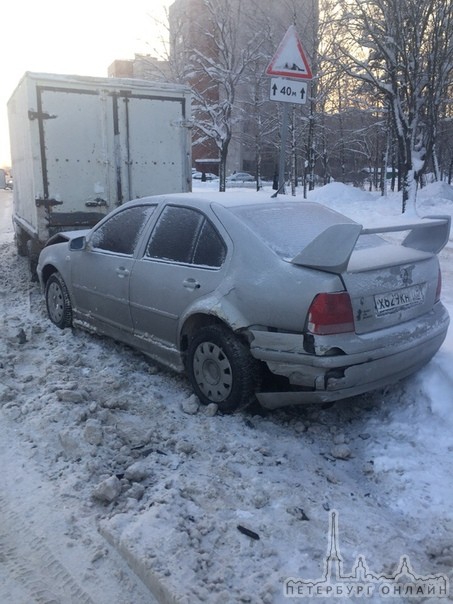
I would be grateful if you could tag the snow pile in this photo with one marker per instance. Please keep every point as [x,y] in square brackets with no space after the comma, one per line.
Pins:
[211,508]
[436,191]
[337,192]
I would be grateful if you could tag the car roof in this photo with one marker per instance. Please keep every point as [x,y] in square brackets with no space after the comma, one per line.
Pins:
[228,199]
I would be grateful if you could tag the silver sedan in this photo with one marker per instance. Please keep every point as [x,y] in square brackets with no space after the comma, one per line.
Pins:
[284,301]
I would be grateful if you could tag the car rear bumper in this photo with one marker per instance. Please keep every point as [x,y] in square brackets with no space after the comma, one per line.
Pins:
[318,379]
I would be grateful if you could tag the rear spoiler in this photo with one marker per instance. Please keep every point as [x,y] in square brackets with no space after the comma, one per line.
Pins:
[331,250]
[428,234]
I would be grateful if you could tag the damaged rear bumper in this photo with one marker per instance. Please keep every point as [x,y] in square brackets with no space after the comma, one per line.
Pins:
[312,378]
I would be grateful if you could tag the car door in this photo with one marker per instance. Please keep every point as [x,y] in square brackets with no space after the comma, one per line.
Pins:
[184,260]
[101,272]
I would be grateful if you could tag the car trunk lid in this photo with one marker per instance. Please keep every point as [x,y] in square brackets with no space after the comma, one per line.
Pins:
[388,282]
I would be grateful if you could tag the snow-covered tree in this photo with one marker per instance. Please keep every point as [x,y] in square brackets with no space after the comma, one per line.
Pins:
[218,62]
[258,113]
[403,49]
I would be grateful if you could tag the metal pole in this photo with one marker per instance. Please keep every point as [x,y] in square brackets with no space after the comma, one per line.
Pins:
[283,134]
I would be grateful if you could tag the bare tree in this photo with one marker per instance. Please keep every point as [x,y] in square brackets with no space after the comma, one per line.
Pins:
[218,64]
[403,50]
[257,111]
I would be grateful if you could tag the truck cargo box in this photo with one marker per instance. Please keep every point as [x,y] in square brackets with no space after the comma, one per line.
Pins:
[81,146]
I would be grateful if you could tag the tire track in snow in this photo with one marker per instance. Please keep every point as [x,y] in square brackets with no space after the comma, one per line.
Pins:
[30,566]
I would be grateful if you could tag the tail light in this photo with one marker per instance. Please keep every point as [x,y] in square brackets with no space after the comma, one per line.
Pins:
[330,313]
[439,287]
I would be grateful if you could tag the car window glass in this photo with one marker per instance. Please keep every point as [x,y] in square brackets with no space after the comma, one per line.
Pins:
[288,228]
[175,234]
[121,233]
[210,249]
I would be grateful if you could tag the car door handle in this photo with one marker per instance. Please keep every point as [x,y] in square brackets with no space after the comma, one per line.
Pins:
[122,272]
[191,284]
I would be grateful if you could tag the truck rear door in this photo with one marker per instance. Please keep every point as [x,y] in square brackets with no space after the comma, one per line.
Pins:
[151,143]
[73,134]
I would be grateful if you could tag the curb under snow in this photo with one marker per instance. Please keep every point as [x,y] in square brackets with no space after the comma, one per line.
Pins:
[153,580]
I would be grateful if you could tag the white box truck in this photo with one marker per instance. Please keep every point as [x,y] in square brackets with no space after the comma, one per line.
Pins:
[80,146]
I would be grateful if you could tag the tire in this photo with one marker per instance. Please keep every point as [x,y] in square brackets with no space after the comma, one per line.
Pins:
[33,257]
[58,303]
[221,369]
[21,239]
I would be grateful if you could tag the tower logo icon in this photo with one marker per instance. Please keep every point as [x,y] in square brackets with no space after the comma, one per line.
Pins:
[335,582]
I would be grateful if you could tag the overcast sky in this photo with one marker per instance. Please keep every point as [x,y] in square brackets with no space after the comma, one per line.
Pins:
[74,37]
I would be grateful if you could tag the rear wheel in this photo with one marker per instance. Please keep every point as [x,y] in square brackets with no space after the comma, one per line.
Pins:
[21,239]
[58,303]
[33,250]
[221,368]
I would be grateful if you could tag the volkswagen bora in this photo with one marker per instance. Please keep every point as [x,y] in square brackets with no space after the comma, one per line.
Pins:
[284,301]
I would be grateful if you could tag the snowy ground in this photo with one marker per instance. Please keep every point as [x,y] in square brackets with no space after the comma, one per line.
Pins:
[102,454]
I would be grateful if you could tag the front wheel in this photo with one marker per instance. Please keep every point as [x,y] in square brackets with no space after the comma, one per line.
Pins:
[58,303]
[221,368]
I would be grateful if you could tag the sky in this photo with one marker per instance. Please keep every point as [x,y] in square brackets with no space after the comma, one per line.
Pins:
[61,36]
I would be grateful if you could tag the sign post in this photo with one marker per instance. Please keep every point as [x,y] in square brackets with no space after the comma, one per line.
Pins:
[292,69]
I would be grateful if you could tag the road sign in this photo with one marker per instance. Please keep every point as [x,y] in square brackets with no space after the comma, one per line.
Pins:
[290,61]
[288,91]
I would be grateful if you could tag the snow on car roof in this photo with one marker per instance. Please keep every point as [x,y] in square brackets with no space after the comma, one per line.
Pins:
[206,198]
[231,199]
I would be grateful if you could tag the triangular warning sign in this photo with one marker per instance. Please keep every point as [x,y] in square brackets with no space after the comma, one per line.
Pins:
[290,61]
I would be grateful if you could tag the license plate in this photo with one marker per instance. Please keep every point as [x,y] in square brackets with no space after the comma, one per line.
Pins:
[397,300]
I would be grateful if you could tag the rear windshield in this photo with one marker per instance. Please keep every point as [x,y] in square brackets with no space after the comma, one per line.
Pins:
[289,227]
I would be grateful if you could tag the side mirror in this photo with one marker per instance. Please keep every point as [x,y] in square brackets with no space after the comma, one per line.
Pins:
[77,244]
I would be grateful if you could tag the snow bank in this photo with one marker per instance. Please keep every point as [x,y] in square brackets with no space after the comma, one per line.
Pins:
[209,508]
[436,191]
[337,192]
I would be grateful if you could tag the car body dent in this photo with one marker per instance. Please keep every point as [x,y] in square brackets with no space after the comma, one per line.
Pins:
[351,371]
[218,306]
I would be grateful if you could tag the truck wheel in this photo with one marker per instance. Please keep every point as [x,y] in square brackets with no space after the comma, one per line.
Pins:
[58,303]
[221,369]
[33,257]
[21,239]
